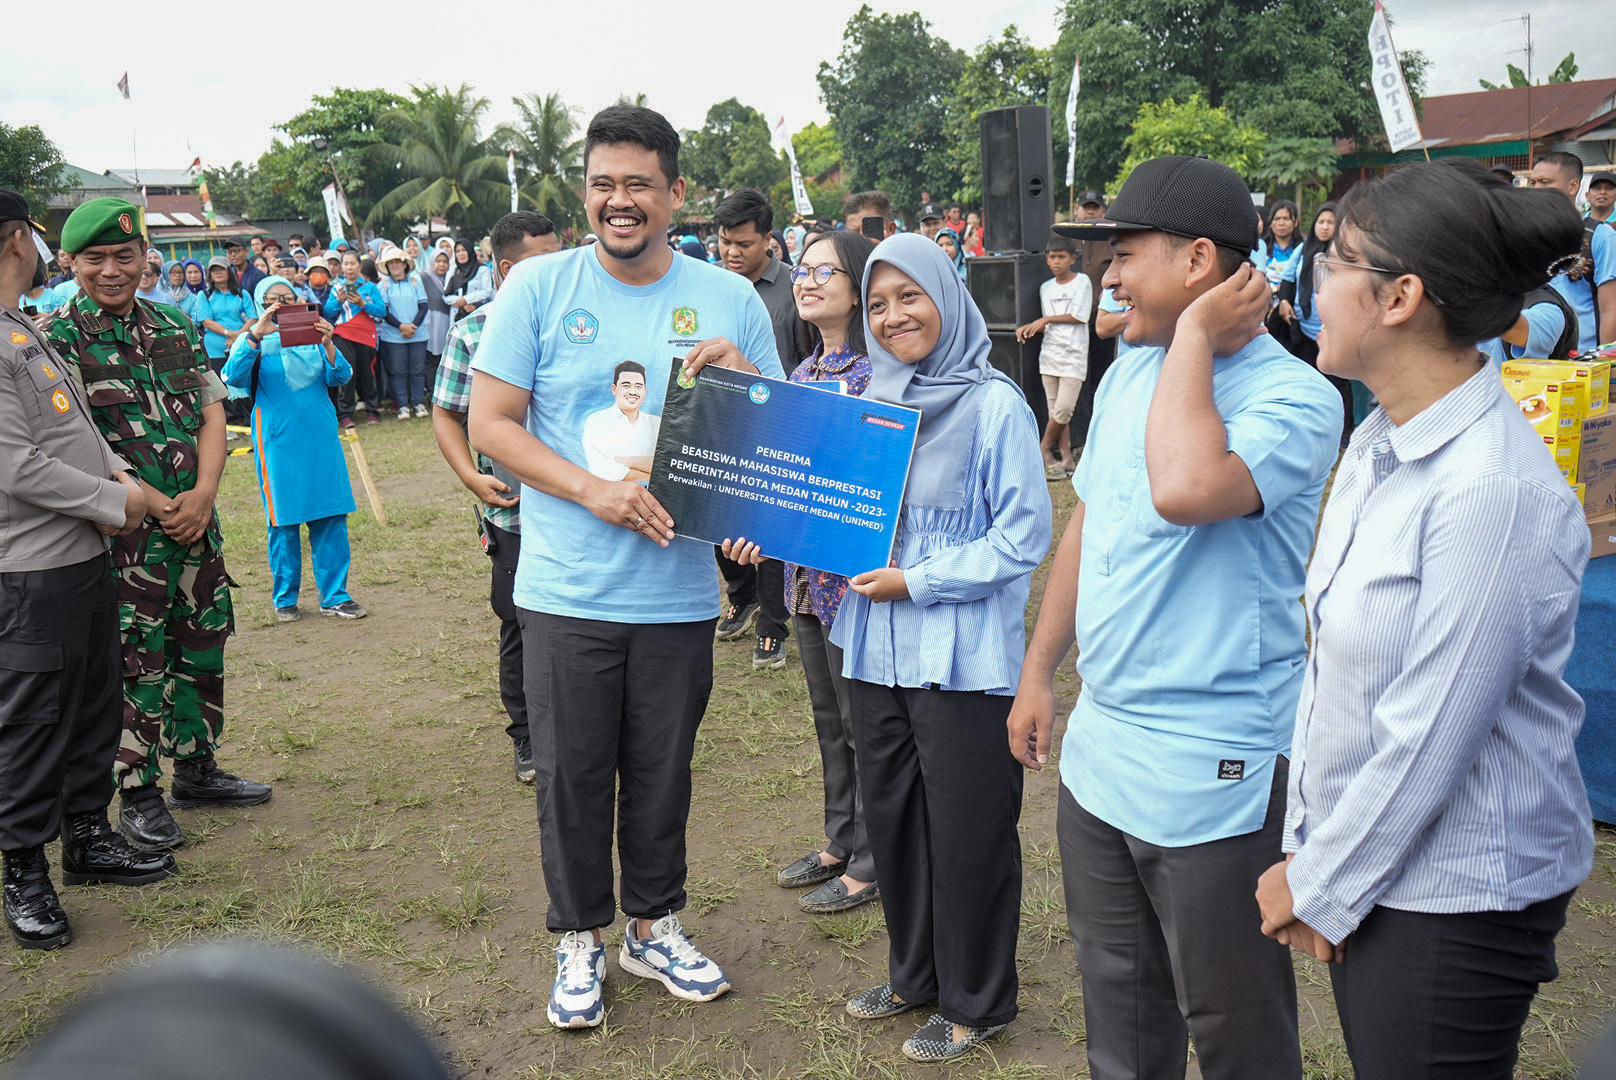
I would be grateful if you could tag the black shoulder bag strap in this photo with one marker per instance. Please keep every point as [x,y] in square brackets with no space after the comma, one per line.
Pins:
[1570,336]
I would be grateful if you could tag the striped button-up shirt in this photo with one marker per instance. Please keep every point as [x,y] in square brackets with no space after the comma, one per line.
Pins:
[1434,765]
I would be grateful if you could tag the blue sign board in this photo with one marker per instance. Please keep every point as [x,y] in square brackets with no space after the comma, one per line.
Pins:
[812,476]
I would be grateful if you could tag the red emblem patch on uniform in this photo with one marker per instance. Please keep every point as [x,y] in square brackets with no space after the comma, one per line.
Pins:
[61,402]
[125,224]
[19,338]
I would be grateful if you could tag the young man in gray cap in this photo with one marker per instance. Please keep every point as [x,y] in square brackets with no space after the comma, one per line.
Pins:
[62,492]
[1198,495]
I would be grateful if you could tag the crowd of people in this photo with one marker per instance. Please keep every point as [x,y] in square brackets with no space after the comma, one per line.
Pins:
[1380,776]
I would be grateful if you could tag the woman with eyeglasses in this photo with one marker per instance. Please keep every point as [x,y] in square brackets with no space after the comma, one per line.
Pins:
[1437,820]
[933,646]
[297,452]
[826,287]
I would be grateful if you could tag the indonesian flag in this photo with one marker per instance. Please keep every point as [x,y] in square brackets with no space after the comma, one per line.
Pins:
[123,86]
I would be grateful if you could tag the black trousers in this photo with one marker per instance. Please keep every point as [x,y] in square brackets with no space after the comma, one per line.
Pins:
[1308,350]
[764,584]
[1443,997]
[364,387]
[942,798]
[61,697]
[613,710]
[833,724]
[501,597]
[1169,943]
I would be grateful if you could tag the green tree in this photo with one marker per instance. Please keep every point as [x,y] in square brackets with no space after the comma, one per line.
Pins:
[818,151]
[31,165]
[1193,127]
[1006,70]
[347,122]
[550,153]
[732,150]
[1291,68]
[443,167]
[1300,164]
[885,94]
[1564,71]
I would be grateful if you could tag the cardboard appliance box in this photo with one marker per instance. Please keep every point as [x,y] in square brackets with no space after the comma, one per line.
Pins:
[1604,536]
[1596,465]
[1594,373]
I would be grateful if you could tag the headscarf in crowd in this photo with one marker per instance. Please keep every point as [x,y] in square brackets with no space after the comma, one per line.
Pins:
[460,275]
[694,248]
[304,365]
[959,249]
[179,292]
[780,238]
[947,385]
[1312,248]
[800,233]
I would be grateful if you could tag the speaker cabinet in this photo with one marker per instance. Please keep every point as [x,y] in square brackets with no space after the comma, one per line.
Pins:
[1020,362]
[1005,287]
[1018,169]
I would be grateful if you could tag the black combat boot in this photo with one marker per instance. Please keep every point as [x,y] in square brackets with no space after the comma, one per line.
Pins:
[93,854]
[199,782]
[146,823]
[35,915]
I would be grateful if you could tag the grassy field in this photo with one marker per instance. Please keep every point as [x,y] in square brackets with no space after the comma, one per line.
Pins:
[398,841]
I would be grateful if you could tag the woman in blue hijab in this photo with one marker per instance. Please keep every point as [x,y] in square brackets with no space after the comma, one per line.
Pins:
[297,452]
[934,645]
[949,241]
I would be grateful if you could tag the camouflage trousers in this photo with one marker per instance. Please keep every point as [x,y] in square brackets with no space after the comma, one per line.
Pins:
[174,616]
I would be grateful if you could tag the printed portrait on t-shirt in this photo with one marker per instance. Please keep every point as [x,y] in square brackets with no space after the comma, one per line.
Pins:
[620,440]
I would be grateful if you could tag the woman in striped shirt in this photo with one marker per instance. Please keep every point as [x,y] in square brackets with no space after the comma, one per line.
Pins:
[1437,819]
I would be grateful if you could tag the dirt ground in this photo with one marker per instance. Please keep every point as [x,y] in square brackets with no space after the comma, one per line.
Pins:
[398,841]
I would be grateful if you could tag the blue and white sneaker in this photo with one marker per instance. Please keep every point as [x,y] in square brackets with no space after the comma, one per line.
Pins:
[668,957]
[580,967]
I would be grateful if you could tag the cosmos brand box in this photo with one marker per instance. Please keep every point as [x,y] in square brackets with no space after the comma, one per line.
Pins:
[1555,408]
[1594,374]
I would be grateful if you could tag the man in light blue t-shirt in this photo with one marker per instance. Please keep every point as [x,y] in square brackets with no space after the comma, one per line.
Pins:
[1180,577]
[1589,283]
[617,613]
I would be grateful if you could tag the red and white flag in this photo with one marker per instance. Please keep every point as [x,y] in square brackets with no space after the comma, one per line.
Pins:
[123,86]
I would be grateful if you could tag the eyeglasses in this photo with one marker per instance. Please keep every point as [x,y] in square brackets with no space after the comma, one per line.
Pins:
[1324,266]
[821,273]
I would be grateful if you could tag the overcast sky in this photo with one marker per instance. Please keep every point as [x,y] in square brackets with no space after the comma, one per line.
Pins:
[215,84]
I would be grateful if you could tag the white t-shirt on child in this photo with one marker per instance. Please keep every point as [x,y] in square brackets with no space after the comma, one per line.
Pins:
[1065,352]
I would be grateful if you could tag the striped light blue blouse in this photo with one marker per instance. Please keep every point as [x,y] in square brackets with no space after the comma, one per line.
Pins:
[1434,767]
[969,570]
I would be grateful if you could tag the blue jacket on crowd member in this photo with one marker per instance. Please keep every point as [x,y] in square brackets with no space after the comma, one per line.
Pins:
[338,312]
[231,309]
[406,303]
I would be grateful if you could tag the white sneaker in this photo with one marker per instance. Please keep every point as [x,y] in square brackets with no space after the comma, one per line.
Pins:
[403,412]
[668,957]
[421,412]
[575,999]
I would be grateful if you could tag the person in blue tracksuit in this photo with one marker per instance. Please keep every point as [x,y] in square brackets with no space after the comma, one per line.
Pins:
[302,471]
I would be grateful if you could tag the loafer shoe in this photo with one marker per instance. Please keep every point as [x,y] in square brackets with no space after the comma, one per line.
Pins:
[807,871]
[833,896]
[940,1039]
[879,1002]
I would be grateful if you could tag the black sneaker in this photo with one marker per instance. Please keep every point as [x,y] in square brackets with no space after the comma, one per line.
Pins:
[736,622]
[199,782]
[524,760]
[145,821]
[348,609]
[288,614]
[770,653]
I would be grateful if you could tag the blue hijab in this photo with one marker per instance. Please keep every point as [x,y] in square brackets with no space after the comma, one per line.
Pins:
[959,250]
[303,365]
[947,385]
[196,288]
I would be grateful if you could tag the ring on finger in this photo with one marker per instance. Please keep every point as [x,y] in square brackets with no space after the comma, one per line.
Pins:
[639,523]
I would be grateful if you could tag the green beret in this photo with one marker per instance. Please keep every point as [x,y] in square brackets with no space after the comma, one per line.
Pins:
[100,221]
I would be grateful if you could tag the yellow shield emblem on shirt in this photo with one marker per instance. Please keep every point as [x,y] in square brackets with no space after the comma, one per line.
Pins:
[19,338]
[61,402]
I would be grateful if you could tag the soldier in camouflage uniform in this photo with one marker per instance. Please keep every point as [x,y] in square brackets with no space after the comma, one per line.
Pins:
[156,402]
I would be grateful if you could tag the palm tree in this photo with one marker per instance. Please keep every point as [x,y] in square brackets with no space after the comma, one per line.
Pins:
[447,170]
[549,152]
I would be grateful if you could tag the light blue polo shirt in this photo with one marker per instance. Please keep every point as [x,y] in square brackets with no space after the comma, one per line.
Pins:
[561,326]
[1191,643]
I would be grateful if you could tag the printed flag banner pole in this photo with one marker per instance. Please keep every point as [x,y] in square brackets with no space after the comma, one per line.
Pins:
[510,171]
[134,152]
[1391,91]
[799,190]
[1071,134]
[333,213]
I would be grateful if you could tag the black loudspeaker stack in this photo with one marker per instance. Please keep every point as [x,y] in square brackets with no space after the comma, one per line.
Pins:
[1017,211]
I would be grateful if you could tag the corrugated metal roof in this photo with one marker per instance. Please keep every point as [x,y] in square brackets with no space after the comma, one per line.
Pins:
[1489,116]
[156,177]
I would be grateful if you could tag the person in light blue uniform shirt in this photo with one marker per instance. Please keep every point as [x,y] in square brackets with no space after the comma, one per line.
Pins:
[1111,307]
[1178,576]
[297,453]
[402,340]
[1588,280]
[617,612]
[1437,819]
[932,649]
[222,310]
[1545,325]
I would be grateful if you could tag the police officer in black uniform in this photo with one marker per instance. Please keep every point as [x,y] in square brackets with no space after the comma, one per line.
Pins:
[62,492]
